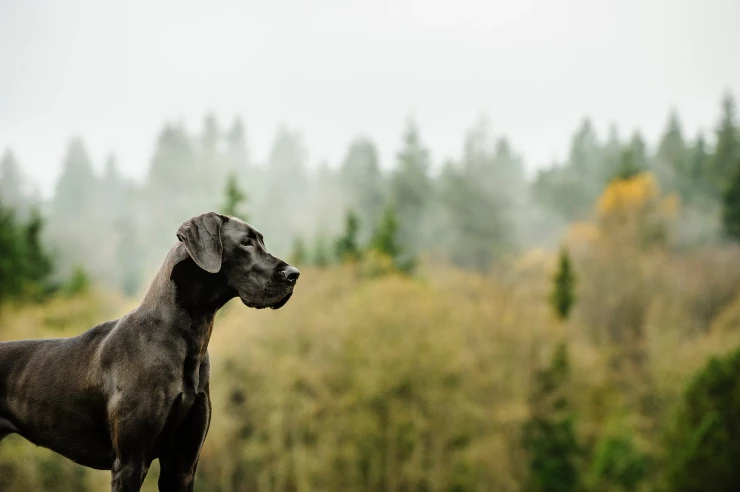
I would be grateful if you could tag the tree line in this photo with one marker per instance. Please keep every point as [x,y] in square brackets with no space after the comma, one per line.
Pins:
[470,211]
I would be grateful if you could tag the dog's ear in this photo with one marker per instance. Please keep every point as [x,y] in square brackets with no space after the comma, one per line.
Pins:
[202,238]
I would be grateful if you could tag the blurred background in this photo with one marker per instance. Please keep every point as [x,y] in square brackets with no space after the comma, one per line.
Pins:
[517,225]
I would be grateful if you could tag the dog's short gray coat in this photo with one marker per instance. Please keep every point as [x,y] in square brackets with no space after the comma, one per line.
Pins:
[136,389]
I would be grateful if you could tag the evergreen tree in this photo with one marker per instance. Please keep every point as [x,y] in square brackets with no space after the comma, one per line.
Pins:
[699,174]
[411,189]
[569,190]
[347,247]
[549,434]
[38,264]
[11,276]
[385,241]
[75,196]
[283,208]
[481,199]
[172,191]
[475,231]
[703,442]
[25,267]
[731,207]
[237,150]
[128,255]
[633,159]
[723,163]
[584,157]
[362,183]
[79,226]
[563,297]
[113,189]
[671,159]
[234,197]
[12,185]
[612,156]
[211,164]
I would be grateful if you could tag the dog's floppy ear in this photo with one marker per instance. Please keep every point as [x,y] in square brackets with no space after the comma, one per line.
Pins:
[202,238]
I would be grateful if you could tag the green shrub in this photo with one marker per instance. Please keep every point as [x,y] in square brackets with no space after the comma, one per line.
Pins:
[617,464]
[703,442]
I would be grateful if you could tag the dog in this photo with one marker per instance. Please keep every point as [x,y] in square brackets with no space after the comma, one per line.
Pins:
[129,391]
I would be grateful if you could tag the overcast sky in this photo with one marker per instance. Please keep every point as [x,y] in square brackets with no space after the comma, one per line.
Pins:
[113,72]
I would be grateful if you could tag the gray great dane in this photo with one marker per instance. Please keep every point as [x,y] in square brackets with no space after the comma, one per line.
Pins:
[136,389]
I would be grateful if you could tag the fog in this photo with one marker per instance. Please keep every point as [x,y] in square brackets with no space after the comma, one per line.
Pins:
[518,227]
[492,123]
[112,73]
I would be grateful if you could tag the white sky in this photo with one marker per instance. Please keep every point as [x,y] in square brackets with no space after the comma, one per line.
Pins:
[113,72]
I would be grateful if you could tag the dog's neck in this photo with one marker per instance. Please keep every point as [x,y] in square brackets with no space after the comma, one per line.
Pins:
[193,296]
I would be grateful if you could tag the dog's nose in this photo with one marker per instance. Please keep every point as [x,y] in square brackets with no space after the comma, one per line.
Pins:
[291,273]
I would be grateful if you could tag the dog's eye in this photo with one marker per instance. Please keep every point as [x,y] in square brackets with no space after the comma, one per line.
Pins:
[246,243]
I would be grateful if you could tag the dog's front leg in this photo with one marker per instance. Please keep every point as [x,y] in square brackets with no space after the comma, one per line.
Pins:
[135,427]
[180,459]
[128,475]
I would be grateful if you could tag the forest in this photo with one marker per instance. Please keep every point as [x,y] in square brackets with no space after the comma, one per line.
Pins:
[458,326]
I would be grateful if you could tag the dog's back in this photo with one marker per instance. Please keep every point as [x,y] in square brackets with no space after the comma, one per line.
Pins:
[40,393]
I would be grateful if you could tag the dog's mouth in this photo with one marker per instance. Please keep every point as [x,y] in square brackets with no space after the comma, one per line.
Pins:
[272,305]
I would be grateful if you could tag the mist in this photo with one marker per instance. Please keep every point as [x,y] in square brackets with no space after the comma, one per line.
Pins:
[517,225]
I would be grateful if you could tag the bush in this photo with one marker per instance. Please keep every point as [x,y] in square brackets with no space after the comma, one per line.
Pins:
[703,442]
[617,463]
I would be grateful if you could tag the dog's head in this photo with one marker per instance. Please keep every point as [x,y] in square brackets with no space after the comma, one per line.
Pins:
[234,250]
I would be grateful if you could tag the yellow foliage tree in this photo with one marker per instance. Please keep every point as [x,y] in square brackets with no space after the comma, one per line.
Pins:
[634,211]
[617,253]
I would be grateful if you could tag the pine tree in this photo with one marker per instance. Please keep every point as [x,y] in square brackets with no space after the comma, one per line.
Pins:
[633,159]
[233,198]
[362,183]
[25,267]
[38,263]
[671,159]
[12,185]
[238,161]
[113,189]
[723,163]
[283,209]
[411,189]
[584,151]
[549,435]
[75,194]
[347,247]
[570,189]
[385,241]
[211,163]
[731,208]
[237,150]
[563,297]
[11,246]
[481,199]
[475,231]
[699,173]
[128,255]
